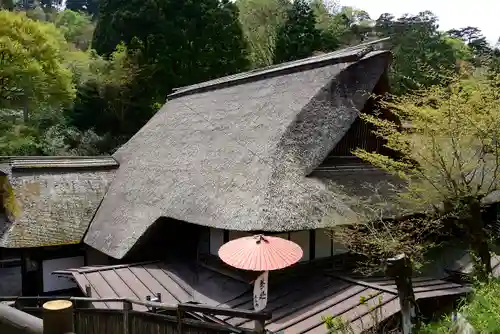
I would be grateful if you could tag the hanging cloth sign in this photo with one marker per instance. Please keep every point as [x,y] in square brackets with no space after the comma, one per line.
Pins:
[260,291]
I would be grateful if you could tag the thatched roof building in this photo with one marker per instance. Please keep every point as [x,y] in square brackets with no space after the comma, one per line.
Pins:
[48,201]
[236,153]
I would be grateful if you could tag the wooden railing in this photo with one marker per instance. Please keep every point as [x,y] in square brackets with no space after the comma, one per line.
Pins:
[161,318]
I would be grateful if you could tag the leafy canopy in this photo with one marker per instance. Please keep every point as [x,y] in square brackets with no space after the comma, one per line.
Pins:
[298,38]
[260,21]
[76,27]
[181,42]
[420,51]
[32,71]
[451,149]
[449,157]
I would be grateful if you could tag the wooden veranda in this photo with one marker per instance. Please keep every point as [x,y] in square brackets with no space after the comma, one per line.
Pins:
[161,318]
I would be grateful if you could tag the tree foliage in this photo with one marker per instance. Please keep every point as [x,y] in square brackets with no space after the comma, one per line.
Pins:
[77,28]
[298,37]
[104,100]
[449,156]
[260,21]
[474,39]
[422,56]
[175,49]
[90,7]
[32,70]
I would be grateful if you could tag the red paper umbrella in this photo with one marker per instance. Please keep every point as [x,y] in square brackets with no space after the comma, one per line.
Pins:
[260,253]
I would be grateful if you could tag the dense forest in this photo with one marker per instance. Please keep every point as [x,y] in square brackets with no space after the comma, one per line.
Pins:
[82,79]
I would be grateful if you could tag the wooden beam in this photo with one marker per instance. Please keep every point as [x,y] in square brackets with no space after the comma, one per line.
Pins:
[14,321]
[93,299]
[366,284]
[251,315]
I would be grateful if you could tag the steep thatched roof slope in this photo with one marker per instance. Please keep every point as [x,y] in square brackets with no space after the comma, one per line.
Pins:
[51,200]
[234,153]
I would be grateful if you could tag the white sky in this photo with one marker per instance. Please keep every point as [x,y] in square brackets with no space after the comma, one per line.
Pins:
[483,14]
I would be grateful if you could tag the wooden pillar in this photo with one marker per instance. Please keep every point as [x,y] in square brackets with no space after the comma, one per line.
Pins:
[88,291]
[180,315]
[152,308]
[399,267]
[58,317]
[88,294]
[260,326]
[127,307]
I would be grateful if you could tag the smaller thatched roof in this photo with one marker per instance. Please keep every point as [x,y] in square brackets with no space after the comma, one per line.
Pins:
[50,201]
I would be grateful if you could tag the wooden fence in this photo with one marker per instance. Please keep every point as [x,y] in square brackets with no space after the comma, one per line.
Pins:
[162,319]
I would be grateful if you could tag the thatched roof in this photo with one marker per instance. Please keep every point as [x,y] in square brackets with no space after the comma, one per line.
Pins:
[51,200]
[235,153]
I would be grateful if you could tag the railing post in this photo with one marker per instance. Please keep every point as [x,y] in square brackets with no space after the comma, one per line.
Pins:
[153,309]
[179,320]
[399,267]
[127,307]
[158,297]
[88,290]
[88,293]
[260,326]
[58,317]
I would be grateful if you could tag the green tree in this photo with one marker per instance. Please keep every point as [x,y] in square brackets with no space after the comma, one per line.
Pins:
[90,7]
[180,42]
[325,23]
[7,4]
[342,26]
[77,27]
[494,65]
[460,49]
[422,55]
[473,37]
[298,37]
[353,25]
[20,140]
[481,50]
[449,156]
[260,21]
[106,103]
[32,72]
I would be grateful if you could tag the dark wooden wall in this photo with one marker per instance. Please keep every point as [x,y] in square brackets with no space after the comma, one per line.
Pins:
[166,239]
[32,280]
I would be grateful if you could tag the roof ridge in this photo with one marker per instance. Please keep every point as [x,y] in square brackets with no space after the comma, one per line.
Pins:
[28,162]
[349,54]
